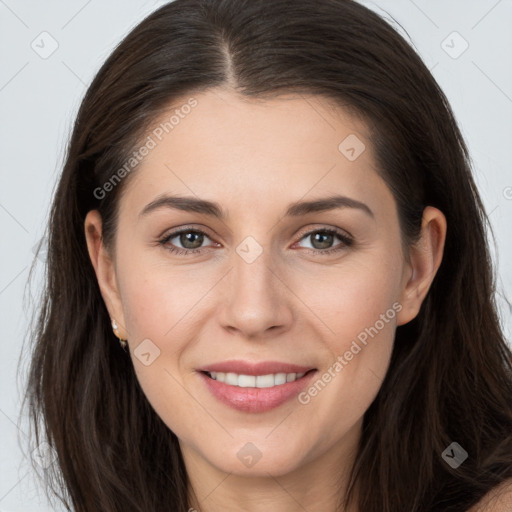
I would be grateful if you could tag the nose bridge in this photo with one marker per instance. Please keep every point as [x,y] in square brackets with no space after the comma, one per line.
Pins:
[256,299]
[253,267]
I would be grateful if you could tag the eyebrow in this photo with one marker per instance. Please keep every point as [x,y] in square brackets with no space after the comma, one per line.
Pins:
[296,209]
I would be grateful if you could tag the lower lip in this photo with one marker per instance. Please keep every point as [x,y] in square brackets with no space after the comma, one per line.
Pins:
[255,399]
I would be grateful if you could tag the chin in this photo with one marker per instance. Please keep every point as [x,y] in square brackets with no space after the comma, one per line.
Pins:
[257,459]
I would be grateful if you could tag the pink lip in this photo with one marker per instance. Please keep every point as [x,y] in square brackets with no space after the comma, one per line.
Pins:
[255,400]
[248,368]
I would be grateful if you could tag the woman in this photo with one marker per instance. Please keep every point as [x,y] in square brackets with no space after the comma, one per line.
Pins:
[270,205]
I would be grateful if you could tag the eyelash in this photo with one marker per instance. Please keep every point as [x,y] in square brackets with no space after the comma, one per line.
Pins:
[346,241]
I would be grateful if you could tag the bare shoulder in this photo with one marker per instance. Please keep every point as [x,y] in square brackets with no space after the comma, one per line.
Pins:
[498,499]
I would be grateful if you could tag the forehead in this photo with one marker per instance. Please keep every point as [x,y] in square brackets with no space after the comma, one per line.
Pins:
[228,147]
[227,126]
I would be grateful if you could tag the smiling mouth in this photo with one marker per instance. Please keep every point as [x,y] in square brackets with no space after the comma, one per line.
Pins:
[255,381]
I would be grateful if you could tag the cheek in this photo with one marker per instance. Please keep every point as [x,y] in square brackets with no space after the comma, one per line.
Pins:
[346,387]
[355,297]
[158,301]
[360,308]
[158,307]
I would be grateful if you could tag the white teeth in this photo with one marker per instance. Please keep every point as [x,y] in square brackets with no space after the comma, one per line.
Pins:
[247,381]
[279,378]
[264,381]
[231,379]
[252,381]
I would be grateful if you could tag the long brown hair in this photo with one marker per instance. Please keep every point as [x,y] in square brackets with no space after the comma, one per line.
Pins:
[450,377]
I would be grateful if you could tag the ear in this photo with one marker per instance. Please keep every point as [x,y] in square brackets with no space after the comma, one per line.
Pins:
[104,269]
[425,258]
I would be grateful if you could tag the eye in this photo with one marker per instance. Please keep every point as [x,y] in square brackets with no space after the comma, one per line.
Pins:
[191,241]
[322,239]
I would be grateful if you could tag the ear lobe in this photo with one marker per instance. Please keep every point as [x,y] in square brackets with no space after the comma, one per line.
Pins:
[425,257]
[105,269]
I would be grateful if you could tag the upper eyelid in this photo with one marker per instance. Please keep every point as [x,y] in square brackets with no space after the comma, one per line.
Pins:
[339,231]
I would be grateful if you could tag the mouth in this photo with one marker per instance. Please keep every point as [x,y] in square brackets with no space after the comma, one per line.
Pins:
[255,388]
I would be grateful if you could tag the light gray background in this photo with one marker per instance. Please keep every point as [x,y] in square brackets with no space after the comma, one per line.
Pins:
[39,98]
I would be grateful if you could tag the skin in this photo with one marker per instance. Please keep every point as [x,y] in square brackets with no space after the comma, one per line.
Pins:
[255,157]
[498,499]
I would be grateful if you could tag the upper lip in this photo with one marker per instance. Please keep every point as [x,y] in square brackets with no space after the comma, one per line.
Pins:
[249,368]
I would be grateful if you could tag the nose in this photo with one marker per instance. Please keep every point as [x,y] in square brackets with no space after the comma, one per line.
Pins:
[257,300]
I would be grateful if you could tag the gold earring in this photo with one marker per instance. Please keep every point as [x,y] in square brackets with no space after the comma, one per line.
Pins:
[122,342]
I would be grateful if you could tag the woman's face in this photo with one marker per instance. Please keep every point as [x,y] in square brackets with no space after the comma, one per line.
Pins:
[271,293]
